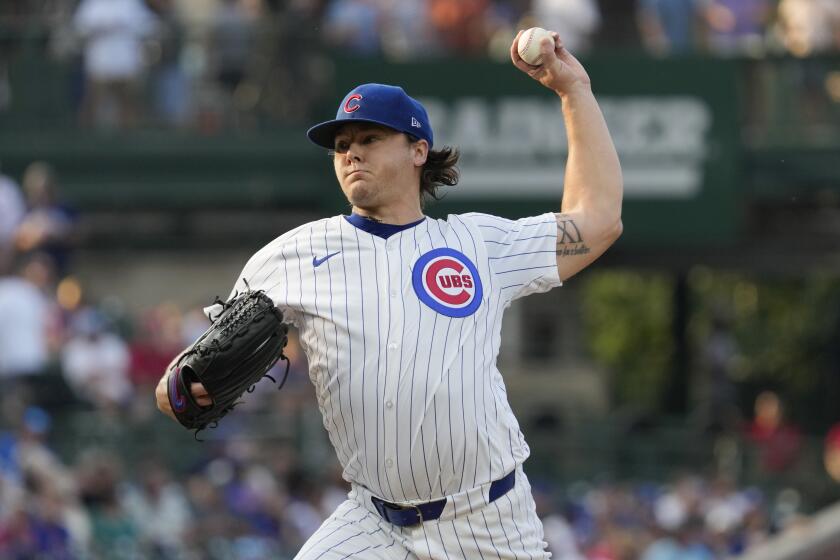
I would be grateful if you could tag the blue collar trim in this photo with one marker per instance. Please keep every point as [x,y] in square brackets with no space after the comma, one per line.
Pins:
[378,228]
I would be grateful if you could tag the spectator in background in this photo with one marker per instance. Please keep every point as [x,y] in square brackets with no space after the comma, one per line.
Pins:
[232,39]
[778,441]
[113,534]
[719,358]
[212,523]
[736,27]
[809,27]
[24,329]
[159,339]
[95,362]
[461,25]
[831,452]
[685,543]
[48,226]
[667,26]
[562,543]
[303,511]
[575,20]
[724,507]
[12,209]
[169,81]
[113,32]
[353,26]
[407,31]
[159,509]
[673,507]
[280,87]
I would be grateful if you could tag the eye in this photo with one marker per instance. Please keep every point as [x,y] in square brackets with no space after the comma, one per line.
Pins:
[341,147]
[370,138]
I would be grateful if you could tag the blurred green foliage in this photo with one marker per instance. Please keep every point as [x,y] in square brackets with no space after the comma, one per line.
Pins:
[785,331]
[627,319]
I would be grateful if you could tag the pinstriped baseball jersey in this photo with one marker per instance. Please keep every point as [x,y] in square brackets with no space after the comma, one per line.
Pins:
[402,335]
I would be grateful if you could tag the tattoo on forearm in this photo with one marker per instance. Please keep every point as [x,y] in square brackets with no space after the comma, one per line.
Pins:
[567,232]
[569,240]
[573,251]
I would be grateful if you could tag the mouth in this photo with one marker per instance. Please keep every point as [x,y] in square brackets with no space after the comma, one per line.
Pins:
[354,174]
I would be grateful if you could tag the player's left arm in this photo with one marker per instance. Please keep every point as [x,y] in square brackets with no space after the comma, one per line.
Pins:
[590,217]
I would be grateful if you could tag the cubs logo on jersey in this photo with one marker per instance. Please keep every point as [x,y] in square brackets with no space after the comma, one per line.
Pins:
[448,282]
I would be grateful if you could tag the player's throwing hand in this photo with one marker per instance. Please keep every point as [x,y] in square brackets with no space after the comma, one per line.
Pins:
[559,71]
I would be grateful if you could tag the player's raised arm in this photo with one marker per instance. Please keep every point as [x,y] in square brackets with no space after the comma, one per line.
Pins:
[590,217]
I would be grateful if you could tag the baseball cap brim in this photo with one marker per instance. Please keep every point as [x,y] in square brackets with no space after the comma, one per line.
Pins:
[323,134]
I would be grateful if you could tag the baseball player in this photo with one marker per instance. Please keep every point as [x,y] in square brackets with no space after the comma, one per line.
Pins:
[400,317]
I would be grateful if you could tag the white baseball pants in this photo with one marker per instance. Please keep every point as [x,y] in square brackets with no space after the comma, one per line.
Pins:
[469,528]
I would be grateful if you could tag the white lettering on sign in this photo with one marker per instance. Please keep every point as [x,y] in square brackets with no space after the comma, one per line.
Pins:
[519,145]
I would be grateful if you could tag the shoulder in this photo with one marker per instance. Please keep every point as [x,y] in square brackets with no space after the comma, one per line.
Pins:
[489,223]
[485,223]
[285,244]
[482,219]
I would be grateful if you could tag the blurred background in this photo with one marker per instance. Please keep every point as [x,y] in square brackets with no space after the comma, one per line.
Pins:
[681,397]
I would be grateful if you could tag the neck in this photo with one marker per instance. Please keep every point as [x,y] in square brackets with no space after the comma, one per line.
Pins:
[394,216]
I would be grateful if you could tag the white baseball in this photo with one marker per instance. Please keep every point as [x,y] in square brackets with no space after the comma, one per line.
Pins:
[528,46]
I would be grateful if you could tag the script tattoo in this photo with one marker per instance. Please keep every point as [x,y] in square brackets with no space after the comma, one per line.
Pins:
[569,240]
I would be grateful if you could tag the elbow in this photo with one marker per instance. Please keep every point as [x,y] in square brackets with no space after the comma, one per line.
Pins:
[612,232]
[618,229]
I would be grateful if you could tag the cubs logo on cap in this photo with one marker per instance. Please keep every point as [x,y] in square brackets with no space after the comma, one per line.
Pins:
[379,104]
[350,106]
[447,281]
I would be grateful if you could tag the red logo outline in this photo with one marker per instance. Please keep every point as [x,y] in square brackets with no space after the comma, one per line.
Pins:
[352,108]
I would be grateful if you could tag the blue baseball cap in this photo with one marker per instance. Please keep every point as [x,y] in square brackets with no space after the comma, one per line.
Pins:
[380,104]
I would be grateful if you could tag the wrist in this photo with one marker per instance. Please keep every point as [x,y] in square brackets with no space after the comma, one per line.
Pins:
[575,90]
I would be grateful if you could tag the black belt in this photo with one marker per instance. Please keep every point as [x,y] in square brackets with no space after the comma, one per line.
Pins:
[406,516]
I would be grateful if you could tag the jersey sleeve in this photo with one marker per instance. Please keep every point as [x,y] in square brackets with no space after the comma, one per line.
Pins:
[522,254]
[267,270]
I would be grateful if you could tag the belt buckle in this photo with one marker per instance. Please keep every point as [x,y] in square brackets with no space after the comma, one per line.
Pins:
[384,507]
[419,513]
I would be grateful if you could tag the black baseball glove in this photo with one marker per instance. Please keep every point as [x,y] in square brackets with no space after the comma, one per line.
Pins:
[245,340]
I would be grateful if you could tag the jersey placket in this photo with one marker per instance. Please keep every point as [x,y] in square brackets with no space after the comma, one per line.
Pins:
[390,301]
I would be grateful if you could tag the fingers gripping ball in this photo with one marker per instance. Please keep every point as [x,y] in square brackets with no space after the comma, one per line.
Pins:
[528,45]
[243,343]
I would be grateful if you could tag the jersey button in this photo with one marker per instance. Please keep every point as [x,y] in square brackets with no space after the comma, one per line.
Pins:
[389,404]
[393,293]
[393,346]
[389,463]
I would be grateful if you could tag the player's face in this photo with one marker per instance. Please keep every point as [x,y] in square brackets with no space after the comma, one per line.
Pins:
[377,167]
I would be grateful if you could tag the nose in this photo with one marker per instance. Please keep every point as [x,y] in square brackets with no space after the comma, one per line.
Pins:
[353,154]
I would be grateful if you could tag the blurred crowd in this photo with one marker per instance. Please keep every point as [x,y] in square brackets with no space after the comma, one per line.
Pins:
[687,518]
[255,499]
[234,63]
[240,500]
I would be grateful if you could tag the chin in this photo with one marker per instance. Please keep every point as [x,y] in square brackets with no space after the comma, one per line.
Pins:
[360,194]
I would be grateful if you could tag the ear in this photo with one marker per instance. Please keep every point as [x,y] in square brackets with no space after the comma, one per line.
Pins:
[420,152]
